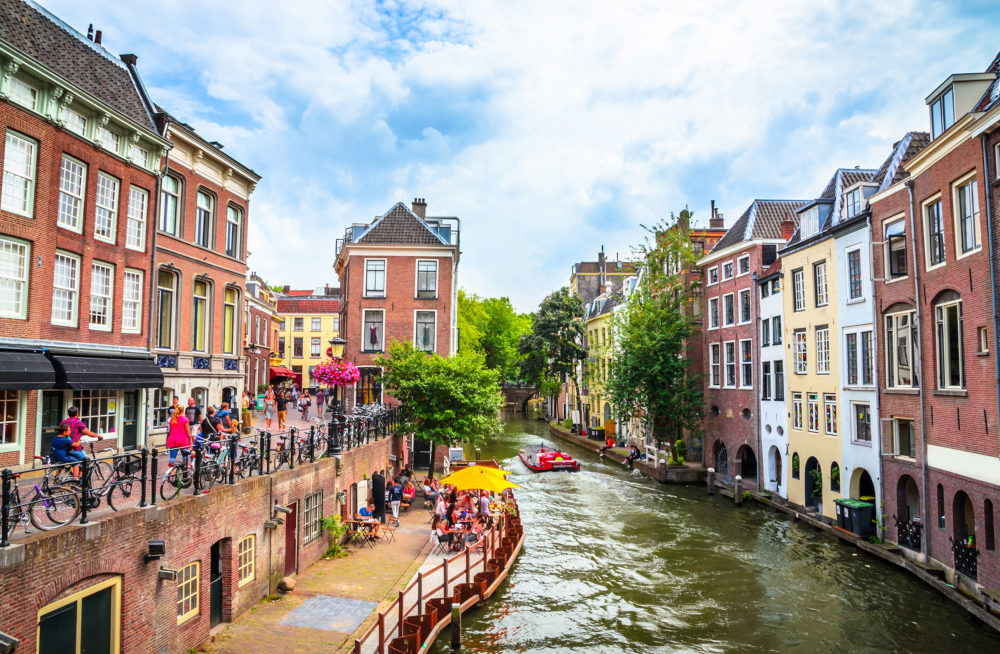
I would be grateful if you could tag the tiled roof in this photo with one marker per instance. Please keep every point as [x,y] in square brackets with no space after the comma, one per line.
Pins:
[891,171]
[761,220]
[991,97]
[773,268]
[400,225]
[611,267]
[308,305]
[35,32]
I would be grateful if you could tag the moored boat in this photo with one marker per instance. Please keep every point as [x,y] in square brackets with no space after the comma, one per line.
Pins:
[543,458]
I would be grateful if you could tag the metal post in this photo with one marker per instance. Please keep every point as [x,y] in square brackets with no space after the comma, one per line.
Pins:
[312,444]
[233,441]
[197,469]
[84,489]
[399,623]
[420,593]
[293,434]
[329,435]
[267,451]
[5,508]
[260,453]
[445,569]
[142,480]
[154,474]
[381,631]
[468,565]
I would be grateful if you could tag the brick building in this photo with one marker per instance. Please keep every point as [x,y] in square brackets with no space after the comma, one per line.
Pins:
[398,281]
[81,154]
[307,322]
[201,230]
[260,333]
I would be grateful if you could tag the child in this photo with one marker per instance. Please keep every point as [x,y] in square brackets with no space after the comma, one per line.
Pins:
[62,447]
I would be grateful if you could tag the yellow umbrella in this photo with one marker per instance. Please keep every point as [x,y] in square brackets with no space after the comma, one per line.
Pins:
[479,478]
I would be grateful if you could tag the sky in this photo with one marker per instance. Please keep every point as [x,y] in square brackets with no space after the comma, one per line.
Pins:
[549,128]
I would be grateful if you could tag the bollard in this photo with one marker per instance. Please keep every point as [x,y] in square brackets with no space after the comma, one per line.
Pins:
[84,489]
[142,480]
[329,436]
[444,588]
[197,469]
[420,593]
[710,478]
[154,465]
[399,620]
[5,508]
[312,444]
[293,435]
[381,631]
[260,453]
[456,627]
[267,452]
[738,490]
[232,458]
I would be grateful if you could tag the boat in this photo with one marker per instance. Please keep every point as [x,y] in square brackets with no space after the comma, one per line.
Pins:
[543,458]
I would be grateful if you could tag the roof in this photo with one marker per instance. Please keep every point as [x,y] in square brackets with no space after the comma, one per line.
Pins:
[35,32]
[991,97]
[308,305]
[841,180]
[773,269]
[892,169]
[616,267]
[601,306]
[761,220]
[400,225]
[165,118]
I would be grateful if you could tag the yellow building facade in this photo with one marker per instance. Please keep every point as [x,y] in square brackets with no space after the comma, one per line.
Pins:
[306,325]
[597,326]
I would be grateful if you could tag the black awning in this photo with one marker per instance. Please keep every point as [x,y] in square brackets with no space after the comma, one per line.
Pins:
[22,371]
[85,373]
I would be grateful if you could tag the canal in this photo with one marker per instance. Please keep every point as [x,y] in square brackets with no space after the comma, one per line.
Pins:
[614,562]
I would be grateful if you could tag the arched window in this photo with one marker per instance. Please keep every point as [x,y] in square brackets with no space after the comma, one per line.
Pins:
[835,477]
[940,507]
[166,296]
[229,321]
[200,395]
[795,465]
[948,335]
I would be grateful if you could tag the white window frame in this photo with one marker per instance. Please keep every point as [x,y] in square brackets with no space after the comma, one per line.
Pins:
[725,321]
[925,217]
[713,272]
[855,407]
[830,414]
[746,364]
[744,295]
[852,363]
[851,298]
[891,344]
[315,347]
[109,297]
[135,326]
[715,365]
[434,343]
[74,121]
[822,350]
[813,402]
[946,100]
[74,290]
[416,278]
[739,265]
[765,380]
[800,351]
[887,248]
[234,229]
[30,147]
[23,93]
[139,155]
[138,214]
[942,341]
[853,200]
[385,273]
[956,187]
[16,278]
[176,195]
[821,285]
[204,218]
[799,289]
[798,411]
[312,512]
[17,418]
[364,337]
[205,333]
[111,210]
[104,134]
[913,437]
[714,320]
[776,331]
[315,324]
[730,364]
[731,266]
[69,195]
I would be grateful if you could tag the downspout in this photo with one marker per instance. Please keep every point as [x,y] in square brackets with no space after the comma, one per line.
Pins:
[878,408]
[993,272]
[926,541]
[154,223]
[757,388]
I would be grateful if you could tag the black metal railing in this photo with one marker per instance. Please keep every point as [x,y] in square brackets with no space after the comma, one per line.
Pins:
[966,559]
[908,534]
[49,497]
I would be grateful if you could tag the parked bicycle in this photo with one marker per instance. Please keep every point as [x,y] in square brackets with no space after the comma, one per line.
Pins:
[115,487]
[180,474]
[50,506]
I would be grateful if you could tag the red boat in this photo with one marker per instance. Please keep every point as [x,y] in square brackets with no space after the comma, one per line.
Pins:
[542,458]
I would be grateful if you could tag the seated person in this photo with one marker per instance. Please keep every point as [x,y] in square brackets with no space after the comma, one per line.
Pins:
[430,492]
[62,448]
[445,534]
[409,492]
[366,514]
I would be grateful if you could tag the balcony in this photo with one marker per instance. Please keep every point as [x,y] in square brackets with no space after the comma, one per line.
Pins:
[966,559]
[908,534]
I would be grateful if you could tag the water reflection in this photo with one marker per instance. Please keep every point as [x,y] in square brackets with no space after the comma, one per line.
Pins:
[617,563]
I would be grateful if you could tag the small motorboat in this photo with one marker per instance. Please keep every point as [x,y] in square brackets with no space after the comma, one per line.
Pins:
[543,458]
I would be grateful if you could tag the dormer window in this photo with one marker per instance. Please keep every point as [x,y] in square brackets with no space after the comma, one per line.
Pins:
[809,222]
[942,113]
[853,202]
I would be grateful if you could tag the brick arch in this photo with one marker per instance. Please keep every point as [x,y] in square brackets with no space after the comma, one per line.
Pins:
[946,295]
[86,568]
[898,307]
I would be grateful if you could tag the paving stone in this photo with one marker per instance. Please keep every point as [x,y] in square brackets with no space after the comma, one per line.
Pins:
[330,613]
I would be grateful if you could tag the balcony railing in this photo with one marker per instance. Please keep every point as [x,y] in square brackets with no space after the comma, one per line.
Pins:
[908,534]
[966,559]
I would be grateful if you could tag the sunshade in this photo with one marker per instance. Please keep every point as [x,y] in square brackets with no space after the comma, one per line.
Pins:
[479,478]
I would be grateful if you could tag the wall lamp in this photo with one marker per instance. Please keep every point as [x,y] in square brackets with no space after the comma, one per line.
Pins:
[8,644]
[166,574]
[157,548]
[281,509]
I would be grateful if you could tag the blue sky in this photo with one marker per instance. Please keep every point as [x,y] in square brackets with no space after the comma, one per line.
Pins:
[549,128]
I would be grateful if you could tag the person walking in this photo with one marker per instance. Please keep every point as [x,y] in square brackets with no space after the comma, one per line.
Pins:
[306,403]
[246,415]
[179,435]
[395,497]
[320,397]
[193,413]
[270,405]
[282,403]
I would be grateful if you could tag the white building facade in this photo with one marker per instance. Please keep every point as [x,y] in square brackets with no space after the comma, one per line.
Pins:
[773,413]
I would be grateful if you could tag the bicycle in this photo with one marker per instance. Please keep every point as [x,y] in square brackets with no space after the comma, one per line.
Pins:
[315,442]
[49,508]
[114,487]
[181,475]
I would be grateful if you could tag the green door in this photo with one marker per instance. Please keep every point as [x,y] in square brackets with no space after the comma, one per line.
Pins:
[57,630]
[130,420]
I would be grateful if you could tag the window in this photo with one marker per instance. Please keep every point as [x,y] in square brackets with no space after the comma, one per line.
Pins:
[776,330]
[72,182]
[297,347]
[895,244]
[374,277]
[316,324]
[988,525]
[940,506]
[97,409]
[86,621]
[795,465]
[981,333]
[809,222]
[851,352]
[779,380]
[170,193]
[372,331]
[830,413]
[106,213]
[234,218]
[743,264]
[135,232]
[942,113]
[22,93]
[162,404]
[935,233]
[950,360]
[713,313]
[800,352]
[823,350]
[901,350]
[713,275]
[765,381]
[715,371]
[336,323]
[797,411]
[229,322]
[102,277]
[813,412]
[19,175]
[799,289]
[745,306]
[109,140]
[203,220]
[187,591]
[14,262]
[281,346]
[906,444]
[730,364]
[862,422]
[424,331]
[74,121]
[727,270]
[966,217]
[775,285]
[314,348]
[298,324]
[728,309]
[867,358]
[310,516]
[427,279]
[835,477]
[765,332]
[10,416]
[765,290]
[245,553]
[819,278]
[165,308]
[256,329]
[854,275]
[199,317]
[65,284]
[746,363]
[139,156]
[852,203]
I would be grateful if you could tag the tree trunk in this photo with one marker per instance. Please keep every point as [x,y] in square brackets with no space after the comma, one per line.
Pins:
[430,473]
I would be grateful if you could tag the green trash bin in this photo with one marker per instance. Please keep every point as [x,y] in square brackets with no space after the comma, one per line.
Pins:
[856,516]
[843,514]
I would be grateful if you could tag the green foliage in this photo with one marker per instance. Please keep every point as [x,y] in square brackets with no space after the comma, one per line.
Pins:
[680,449]
[747,496]
[276,288]
[795,463]
[262,388]
[336,528]
[490,327]
[817,479]
[445,400]
[650,376]
[553,347]
[568,423]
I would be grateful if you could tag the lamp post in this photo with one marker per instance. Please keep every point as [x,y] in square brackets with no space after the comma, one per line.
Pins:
[336,351]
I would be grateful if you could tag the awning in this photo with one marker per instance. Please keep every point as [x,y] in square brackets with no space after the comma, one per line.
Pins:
[278,371]
[22,371]
[85,373]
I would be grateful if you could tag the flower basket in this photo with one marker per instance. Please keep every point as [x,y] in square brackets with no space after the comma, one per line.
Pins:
[336,373]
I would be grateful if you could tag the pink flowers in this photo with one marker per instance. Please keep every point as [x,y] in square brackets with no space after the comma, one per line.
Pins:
[336,373]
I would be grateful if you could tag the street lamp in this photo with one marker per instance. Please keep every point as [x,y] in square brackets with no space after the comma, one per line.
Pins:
[336,351]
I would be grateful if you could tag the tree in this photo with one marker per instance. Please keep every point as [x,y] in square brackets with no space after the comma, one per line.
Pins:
[444,400]
[490,327]
[650,376]
[553,347]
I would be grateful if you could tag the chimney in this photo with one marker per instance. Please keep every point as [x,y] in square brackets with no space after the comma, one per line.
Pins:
[787,228]
[286,289]
[90,32]
[716,222]
[97,37]
[602,270]
[129,59]
[420,207]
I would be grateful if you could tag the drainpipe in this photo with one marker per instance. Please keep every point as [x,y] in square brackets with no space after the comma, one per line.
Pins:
[757,377]
[154,223]
[993,272]
[926,541]
[880,504]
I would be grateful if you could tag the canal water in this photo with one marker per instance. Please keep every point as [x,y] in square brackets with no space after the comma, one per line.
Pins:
[614,562]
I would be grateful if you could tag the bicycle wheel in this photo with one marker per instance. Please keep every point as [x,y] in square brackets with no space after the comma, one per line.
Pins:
[173,482]
[58,508]
[123,494]
[209,474]
[280,459]
[100,471]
